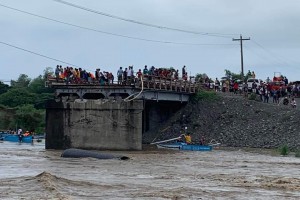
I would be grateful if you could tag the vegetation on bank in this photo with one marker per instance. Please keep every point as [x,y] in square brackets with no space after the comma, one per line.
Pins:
[22,103]
[205,95]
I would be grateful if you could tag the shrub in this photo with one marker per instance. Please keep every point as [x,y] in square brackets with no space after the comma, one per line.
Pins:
[205,95]
[284,150]
[252,96]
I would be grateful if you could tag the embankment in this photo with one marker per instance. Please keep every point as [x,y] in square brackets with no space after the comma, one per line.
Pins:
[235,122]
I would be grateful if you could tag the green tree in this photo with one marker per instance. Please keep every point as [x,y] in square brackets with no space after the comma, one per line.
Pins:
[17,97]
[200,77]
[3,87]
[233,76]
[23,81]
[29,118]
[6,117]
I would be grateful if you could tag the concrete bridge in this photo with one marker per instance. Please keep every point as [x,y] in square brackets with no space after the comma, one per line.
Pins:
[94,116]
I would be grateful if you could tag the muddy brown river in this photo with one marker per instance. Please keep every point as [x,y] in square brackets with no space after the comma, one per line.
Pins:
[31,172]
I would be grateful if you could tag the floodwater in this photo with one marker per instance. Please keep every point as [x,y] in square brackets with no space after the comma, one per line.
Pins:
[31,172]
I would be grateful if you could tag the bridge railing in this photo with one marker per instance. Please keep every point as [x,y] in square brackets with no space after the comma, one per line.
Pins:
[149,82]
[168,84]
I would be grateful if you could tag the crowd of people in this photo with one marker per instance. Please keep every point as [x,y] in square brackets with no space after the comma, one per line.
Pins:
[124,76]
[284,92]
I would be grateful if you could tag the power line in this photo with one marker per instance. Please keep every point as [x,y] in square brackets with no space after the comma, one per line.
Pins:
[38,54]
[109,33]
[144,23]
[271,53]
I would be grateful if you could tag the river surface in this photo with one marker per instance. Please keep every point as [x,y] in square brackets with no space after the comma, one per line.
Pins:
[31,172]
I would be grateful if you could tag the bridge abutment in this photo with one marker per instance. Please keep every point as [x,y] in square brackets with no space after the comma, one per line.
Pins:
[94,124]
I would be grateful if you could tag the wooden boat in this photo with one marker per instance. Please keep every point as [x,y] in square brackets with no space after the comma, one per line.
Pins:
[185,146]
[17,138]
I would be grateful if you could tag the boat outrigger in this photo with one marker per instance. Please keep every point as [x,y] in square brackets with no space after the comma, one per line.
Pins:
[183,145]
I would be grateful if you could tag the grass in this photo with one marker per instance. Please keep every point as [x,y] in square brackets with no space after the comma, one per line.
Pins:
[284,150]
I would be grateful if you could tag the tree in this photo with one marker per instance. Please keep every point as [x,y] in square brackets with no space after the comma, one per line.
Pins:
[23,81]
[29,118]
[232,75]
[201,77]
[3,87]
[17,97]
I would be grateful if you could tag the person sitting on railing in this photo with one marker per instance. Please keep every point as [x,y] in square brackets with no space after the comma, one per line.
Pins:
[152,71]
[145,71]
[139,74]
[97,74]
[176,75]
[91,77]
[110,78]
[185,76]
[102,79]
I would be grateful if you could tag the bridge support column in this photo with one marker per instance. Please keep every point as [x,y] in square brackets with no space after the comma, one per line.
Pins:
[94,124]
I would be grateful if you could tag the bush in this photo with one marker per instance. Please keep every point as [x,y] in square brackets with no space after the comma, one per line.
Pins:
[205,95]
[252,96]
[284,150]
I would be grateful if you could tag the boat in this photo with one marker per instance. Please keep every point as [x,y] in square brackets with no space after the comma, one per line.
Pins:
[170,144]
[17,138]
[3,134]
[185,146]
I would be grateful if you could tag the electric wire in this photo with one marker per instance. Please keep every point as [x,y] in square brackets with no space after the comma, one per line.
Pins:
[277,57]
[38,54]
[144,23]
[265,58]
[109,33]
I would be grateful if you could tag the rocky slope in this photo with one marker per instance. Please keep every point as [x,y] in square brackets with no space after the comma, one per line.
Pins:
[235,122]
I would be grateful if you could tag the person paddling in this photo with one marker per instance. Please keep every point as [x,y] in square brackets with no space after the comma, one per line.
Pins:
[188,138]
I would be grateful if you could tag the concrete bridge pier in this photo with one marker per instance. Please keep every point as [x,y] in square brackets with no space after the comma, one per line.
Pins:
[94,124]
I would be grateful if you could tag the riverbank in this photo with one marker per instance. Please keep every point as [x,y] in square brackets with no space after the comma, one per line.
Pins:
[235,122]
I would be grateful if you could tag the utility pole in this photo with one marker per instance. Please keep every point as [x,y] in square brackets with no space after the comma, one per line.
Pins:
[241,43]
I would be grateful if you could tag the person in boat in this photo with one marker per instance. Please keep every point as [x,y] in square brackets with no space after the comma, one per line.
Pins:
[26,133]
[188,138]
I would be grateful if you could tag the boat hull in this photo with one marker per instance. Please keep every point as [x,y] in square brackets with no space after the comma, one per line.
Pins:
[16,138]
[185,147]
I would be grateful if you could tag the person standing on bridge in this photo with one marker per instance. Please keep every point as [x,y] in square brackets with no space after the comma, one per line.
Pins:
[183,72]
[125,76]
[129,74]
[119,75]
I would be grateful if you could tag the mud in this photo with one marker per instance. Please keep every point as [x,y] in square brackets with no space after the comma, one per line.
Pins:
[31,172]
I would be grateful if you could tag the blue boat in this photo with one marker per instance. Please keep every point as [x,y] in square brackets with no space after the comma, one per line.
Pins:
[185,146]
[3,134]
[17,138]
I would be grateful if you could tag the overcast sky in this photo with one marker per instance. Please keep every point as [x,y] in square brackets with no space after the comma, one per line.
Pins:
[272,25]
